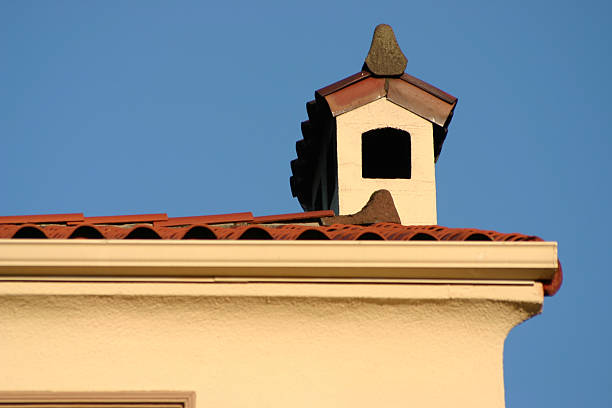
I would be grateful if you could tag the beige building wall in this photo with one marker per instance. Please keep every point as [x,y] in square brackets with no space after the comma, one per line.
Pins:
[265,344]
[415,198]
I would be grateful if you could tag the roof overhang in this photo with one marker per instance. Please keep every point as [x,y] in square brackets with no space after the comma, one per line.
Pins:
[279,260]
[406,91]
[411,93]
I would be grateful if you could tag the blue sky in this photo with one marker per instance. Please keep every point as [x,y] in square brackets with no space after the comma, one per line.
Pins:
[193,108]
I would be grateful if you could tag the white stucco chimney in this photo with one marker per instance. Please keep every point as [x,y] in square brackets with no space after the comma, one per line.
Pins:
[377,129]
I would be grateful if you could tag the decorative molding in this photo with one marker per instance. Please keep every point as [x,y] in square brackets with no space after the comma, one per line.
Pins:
[100,399]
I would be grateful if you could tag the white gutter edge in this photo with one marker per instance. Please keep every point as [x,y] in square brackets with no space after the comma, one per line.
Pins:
[274,259]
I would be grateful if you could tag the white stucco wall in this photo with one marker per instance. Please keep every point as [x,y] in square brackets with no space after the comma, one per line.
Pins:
[265,344]
[415,198]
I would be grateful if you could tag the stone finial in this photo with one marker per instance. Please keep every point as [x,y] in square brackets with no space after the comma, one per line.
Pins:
[385,57]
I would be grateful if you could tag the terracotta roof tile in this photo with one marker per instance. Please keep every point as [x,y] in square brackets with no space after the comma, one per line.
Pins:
[292,232]
[245,226]
[309,215]
[256,229]
[45,218]
[207,219]
[386,231]
[122,219]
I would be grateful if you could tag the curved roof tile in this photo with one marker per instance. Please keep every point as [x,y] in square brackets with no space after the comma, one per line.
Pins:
[23,227]
[386,231]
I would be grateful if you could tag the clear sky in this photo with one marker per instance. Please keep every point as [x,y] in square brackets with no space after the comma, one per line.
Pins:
[194,108]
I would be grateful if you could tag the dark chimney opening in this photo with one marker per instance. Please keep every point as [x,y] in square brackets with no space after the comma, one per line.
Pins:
[386,154]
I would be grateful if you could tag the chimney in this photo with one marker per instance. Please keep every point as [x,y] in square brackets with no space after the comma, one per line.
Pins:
[377,129]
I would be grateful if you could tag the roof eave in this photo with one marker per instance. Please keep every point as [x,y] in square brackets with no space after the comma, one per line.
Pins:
[409,92]
[438,260]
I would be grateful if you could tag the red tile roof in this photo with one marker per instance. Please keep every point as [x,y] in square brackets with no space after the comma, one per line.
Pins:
[303,216]
[45,218]
[120,219]
[241,226]
[206,219]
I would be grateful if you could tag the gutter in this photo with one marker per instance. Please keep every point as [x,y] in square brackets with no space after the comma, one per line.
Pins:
[280,260]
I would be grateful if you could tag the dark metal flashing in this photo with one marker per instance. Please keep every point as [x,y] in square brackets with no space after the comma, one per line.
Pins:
[448,98]
[343,83]
[419,102]
[356,95]
[411,93]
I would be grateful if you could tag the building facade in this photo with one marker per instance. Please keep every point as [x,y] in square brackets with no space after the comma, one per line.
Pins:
[360,300]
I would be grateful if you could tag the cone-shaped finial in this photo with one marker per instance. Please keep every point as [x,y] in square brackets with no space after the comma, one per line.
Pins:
[385,57]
